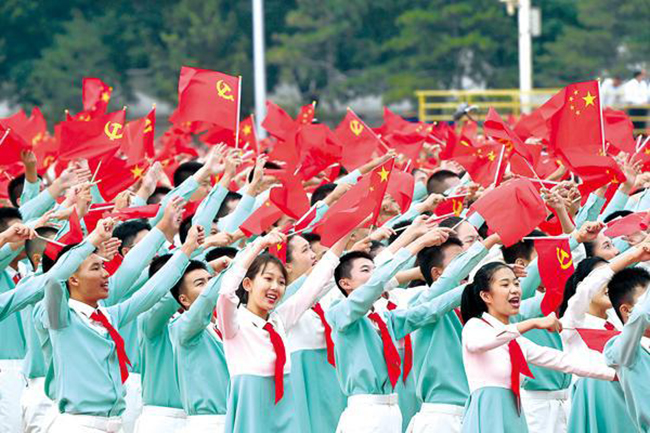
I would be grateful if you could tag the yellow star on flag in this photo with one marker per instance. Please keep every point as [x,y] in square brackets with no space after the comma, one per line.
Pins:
[589,99]
[279,246]
[246,129]
[491,156]
[384,174]
[106,96]
[137,172]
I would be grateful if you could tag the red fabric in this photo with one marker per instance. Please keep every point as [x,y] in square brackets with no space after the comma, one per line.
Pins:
[306,114]
[208,96]
[137,212]
[279,251]
[512,210]
[401,187]
[280,359]
[595,339]
[481,162]
[408,144]
[305,220]
[122,358]
[359,142]
[74,235]
[496,128]
[619,130]
[277,122]
[555,267]
[519,366]
[113,265]
[16,278]
[627,225]
[95,95]
[318,148]
[11,144]
[261,219]
[139,137]
[451,205]
[391,355]
[609,326]
[408,349]
[93,138]
[290,197]
[117,175]
[532,125]
[329,343]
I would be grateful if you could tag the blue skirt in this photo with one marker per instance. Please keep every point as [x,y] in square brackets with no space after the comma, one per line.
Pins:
[492,410]
[598,406]
[252,408]
[317,393]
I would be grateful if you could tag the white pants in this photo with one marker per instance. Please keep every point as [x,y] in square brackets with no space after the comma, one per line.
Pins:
[66,423]
[38,411]
[205,423]
[133,400]
[546,411]
[12,385]
[434,418]
[371,414]
[156,419]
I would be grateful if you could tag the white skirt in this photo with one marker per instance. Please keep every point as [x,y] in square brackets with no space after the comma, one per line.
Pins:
[434,418]
[67,423]
[157,419]
[205,423]
[368,413]
[546,411]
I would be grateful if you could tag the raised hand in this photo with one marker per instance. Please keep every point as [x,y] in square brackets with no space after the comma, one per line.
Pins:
[195,238]
[273,238]
[17,233]
[109,248]
[28,158]
[221,239]
[103,232]
[150,180]
[550,323]
[218,265]
[589,231]
[172,218]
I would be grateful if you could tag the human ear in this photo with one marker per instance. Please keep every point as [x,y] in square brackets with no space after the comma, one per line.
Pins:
[435,273]
[184,301]
[247,284]
[486,296]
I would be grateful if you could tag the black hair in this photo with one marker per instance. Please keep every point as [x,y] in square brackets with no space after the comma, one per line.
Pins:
[522,249]
[623,284]
[184,228]
[436,182]
[257,267]
[192,266]
[450,222]
[637,73]
[590,248]
[185,170]
[128,231]
[15,189]
[267,165]
[344,268]
[619,213]
[37,245]
[584,268]
[311,237]
[483,231]
[7,214]
[397,233]
[223,209]
[49,262]
[157,263]
[219,252]
[322,192]
[374,248]
[154,197]
[471,303]
[433,257]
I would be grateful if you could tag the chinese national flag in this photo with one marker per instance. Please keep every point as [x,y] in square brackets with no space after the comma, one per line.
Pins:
[139,138]
[318,148]
[359,142]
[290,198]
[11,144]
[596,339]
[484,161]
[74,235]
[496,128]
[619,131]
[117,175]
[261,220]
[95,96]
[137,212]
[532,125]
[92,138]
[247,135]
[454,205]
[208,96]
[408,144]
[279,251]
[512,210]
[7,174]
[595,170]
[95,213]
[277,122]
[401,187]
[306,114]
[543,163]
[555,268]
[394,122]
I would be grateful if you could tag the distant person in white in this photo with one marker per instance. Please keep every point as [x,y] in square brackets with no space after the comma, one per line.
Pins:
[637,93]
[612,91]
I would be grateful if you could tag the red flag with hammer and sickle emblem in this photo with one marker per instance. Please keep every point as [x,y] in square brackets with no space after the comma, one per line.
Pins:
[359,141]
[99,136]
[208,96]
[555,268]
[139,135]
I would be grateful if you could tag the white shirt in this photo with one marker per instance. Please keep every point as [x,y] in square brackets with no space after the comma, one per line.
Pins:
[636,92]
[84,311]
[487,359]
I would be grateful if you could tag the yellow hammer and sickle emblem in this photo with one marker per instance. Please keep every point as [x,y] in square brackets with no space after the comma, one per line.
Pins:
[562,257]
[457,206]
[148,127]
[113,130]
[224,91]
[464,143]
[49,159]
[38,138]
[356,127]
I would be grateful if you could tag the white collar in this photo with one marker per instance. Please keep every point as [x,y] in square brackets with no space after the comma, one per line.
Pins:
[496,323]
[82,308]
[256,320]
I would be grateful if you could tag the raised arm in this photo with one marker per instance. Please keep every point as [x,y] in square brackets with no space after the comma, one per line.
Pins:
[479,336]
[152,322]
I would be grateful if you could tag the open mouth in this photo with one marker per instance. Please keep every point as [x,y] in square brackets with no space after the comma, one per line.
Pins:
[515,301]
[104,286]
[271,297]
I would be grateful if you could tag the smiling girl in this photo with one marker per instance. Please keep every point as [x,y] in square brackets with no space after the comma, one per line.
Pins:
[494,356]
[254,334]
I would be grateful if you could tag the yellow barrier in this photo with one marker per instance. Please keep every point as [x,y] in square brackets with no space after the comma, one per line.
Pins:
[440,105]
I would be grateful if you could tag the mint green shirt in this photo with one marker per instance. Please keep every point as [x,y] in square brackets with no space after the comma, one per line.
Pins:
[30,190]
[85,378]
[11,325]
[37,206]
[201,369]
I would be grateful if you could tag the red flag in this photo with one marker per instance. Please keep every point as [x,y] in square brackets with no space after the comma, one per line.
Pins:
[551,226]
[512,210]
[139,136]
[595,170]
[93,138]
[401,187]
[117,175]
[113,265]
[596,339]
[261,220]
[279,251]
[137,212]
[306,114]
[95,213]
[543,163]
[619,131]
[277,121]
[303,223]
[555,268]
[481,162]
[532,125]
[74,235]
[95,95]
[7,174]
[496,128]
[408,144]
[11,145]
[318,147]
[208,96]
[247,135]
[454,205]
[359,142]
[627,225]
[291,197]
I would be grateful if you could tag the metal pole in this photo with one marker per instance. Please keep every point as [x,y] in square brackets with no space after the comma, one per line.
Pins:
[259,66]
[525,55]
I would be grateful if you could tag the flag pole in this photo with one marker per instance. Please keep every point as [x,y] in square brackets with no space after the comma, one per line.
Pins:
[635,153]
[99,164]
[602,126]
[496,175]
[238,113]
[4,137]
